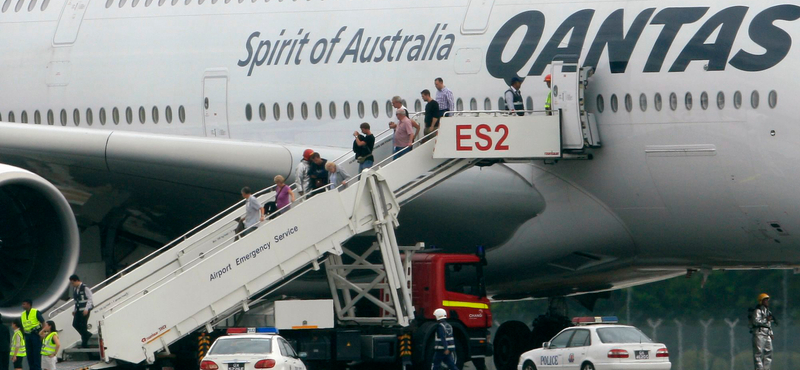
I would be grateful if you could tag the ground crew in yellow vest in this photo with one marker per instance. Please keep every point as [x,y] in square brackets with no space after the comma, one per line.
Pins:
[31,324]
[82,296]
[18,351]
[444,348]
[548,102]
[513,97]
[761,326]
[50,345]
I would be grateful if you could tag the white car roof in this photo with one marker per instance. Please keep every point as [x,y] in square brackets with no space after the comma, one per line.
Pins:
[600,326]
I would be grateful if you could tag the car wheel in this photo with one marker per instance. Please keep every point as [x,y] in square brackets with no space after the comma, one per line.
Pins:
[587,366]
[528,365]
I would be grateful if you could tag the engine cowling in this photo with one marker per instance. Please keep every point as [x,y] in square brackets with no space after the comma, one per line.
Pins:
[40,241]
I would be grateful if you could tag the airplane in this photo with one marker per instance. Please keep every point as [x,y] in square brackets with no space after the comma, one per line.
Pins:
[126,123]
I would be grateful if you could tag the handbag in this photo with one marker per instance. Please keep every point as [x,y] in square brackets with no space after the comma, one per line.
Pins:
[363,158]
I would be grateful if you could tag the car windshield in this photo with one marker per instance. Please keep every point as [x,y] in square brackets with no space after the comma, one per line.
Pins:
[235,346]
[622,335]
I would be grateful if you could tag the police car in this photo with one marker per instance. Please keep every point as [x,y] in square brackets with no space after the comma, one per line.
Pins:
[597,343]
[250,349]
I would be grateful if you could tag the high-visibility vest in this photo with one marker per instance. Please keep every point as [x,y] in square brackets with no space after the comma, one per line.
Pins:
[21,347]
[548,101]
[448,337]
[30,320]
[49,345]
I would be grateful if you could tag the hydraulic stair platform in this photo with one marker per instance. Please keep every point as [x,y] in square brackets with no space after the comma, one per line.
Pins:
[212,273]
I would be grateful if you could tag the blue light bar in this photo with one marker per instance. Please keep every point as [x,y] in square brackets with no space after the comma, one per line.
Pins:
[610,319]
[267,330]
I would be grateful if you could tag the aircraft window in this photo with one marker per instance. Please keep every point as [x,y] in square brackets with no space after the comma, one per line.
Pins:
[332,109]
[404,103]
[129,115]
[102,116]
[601,103]
[501,104]
[673,101]
[24,117]
[290,111]
[614,103]
[76,117]
[174,2]
[134,3]
[459,104]
[304,110]
[182,114]
[63,117]
[688,101]
[121,3]
[389,109]
[154,113]
[360,109]
[473,104]
[318,110]
[262,111]
[200,2]
[6,5]
[37,118]
[187,2]
[141,115]
[115,115]
[754,97]
[161,2]
[418,105]
[109,3]
[19,5]
[704,100]
[45,3]
[737,99]
[643,102]
[11,116]
[720,100]
[1,118]
[50,117]
[487,104]
[168,114]
[213,1]
[657,102]
[276,111]
[529,103]
[248,110]
[628,102]
[148,2]
[31,5]
[772,99]
[89,116]
[346,109]
[375,109]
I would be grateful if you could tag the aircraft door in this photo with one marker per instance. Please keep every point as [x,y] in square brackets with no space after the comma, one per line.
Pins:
[566,88]
[215,104]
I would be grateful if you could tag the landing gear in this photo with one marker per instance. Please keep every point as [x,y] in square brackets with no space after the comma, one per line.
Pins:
[514,338]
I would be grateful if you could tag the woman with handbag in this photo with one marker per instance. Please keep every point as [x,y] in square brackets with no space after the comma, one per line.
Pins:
[283,194]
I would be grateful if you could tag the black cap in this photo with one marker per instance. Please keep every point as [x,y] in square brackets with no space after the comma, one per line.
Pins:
[515,80]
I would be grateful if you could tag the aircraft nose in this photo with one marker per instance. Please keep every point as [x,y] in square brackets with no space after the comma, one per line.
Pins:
[481,206]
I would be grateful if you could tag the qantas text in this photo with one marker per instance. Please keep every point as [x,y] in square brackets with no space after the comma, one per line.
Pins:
[619,44]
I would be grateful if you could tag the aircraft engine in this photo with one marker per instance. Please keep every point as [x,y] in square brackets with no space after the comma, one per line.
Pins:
[39,241]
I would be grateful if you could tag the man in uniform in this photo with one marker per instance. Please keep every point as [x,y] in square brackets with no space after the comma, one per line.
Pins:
[445,345]
[31,324]
[82,296]
[761,326]
[547,103]
[513,97]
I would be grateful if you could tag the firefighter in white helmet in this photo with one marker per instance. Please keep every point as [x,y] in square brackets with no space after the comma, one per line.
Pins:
[445,342]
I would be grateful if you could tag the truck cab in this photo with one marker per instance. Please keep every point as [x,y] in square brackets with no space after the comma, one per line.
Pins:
[454,282]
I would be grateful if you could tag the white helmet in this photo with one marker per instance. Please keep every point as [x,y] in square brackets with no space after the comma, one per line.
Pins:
[440,313]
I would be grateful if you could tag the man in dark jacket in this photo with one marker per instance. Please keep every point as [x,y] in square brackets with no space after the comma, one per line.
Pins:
[317,172]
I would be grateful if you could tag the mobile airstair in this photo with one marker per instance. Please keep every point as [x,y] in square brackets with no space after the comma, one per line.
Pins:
[211,272]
